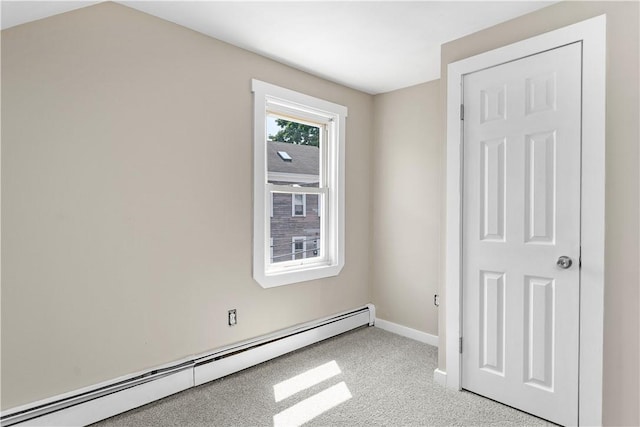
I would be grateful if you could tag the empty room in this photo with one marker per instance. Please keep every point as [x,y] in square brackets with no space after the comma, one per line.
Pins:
[330,213]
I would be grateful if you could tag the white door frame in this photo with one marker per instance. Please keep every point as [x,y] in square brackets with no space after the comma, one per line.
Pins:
[592,34]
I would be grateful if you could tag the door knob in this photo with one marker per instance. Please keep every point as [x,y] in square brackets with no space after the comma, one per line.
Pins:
[564,262]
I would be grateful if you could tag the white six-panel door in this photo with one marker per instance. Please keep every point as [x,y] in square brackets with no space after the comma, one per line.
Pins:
[521,213]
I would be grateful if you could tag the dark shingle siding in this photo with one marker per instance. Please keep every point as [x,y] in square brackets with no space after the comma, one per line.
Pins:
[284,226]
[305,158]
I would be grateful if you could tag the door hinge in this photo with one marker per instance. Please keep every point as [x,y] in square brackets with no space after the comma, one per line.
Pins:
[460,345]
[461,111]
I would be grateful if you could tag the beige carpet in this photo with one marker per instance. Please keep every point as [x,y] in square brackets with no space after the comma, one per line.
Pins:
[366,377]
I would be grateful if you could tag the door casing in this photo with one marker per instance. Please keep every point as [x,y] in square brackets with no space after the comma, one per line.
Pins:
[592,34]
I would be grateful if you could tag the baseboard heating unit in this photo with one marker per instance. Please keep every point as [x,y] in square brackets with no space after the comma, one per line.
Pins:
[92,404]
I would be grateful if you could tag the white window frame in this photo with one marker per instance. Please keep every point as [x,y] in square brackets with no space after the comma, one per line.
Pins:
[271,246]
[331,117]
[293,205]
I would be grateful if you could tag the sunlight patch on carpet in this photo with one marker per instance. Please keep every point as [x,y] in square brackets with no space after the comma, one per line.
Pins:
[313,406]
[305,380]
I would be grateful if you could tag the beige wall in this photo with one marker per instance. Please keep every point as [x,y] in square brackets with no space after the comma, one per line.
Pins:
[621,354]
[126,199]
[405,226]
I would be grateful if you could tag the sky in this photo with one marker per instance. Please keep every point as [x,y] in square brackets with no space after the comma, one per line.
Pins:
[272,127]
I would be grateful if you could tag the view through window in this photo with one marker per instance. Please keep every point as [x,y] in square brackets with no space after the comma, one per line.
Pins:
[293,160]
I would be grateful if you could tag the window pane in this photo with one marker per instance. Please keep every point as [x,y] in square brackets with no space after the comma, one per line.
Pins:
[299,205]
[293,152]
[295,237]
[298,248]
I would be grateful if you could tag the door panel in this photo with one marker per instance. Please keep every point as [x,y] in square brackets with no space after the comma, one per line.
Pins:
[540,184]
[539,324]
[521,212]
[492,185]
[492,322]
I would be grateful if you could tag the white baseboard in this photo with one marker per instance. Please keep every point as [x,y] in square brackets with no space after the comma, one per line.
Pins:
[440,377]
[407,332]
[91,404]
[113,404]
[220,367]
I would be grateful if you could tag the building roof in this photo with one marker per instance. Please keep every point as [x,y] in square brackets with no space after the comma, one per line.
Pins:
[305,159]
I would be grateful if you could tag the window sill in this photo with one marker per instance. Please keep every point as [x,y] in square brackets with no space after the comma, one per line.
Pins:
[293,275]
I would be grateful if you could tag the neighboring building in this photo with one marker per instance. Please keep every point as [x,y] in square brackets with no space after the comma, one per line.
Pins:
[295,219]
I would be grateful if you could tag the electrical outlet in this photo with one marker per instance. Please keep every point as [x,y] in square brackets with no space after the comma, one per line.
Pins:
[233,319]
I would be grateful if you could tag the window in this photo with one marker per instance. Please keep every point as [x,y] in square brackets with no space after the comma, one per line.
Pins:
[285,156]
[298,205]
[298,247]
[298,229]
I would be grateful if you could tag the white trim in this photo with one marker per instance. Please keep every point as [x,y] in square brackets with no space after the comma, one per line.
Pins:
[116,403]
[271,248]
[194,370]
[405,331]
[294,189]
[332,117]
[300,178]
[592,34]
[225,366]
[50,400]
[372,314]
[440,377]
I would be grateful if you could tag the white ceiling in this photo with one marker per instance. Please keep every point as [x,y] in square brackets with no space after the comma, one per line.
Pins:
[373,46]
